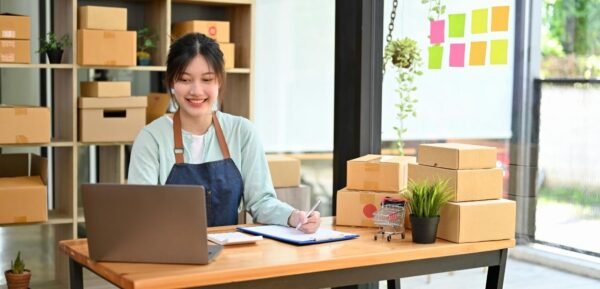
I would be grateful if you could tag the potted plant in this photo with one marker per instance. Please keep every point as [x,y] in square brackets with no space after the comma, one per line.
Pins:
[146,42]
[17,277]
[425,199]
[54,47]
[405,57]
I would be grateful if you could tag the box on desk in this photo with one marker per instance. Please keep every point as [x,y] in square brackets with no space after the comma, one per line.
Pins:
[357,208]
[117,119]
[106,48]
[467,185]
[14,51]
[298,197]
[23,181]
[378,173]
[102,18]
[217,30]
[477,221]
[24,124]
[14,26]
[457,156]
[104,88]
[285,171]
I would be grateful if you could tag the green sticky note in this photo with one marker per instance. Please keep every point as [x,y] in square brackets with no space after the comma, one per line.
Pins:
[499,52]
[435,57]
[479,21]
[457,25]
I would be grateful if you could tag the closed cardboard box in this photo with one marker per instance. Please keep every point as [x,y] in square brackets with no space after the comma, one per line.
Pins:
[13,26]
[102,18]
[158,103]
[457,156]
[357,208]
[106,48]
[23,189]
[466,185]
[477,221]
[285,171]
[217,30]
[24,124]
[378,173]
[115,119]
[228,50]
[105,88]
[14,51]
[298,197]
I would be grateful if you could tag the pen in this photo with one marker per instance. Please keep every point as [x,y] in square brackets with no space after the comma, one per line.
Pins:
[308,214]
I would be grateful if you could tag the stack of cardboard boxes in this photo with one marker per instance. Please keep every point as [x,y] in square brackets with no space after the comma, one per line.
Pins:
[370,179]
[107,112]
[285,174]
[217,30]
[477,211]
[103,39]
[14,38]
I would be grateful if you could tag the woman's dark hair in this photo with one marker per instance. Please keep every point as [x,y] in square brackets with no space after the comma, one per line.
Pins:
[183,51]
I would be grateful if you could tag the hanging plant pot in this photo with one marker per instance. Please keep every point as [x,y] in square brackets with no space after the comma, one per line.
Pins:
[424,229]
[54,56]
[17,281]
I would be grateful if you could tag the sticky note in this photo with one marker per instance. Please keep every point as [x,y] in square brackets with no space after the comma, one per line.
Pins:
[479,21]
[500,18]
[456,25]
[477,53]
[499,51]
[435,56]
[457,55]
[436,31]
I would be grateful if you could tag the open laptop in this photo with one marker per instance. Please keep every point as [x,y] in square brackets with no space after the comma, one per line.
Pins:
[145,223]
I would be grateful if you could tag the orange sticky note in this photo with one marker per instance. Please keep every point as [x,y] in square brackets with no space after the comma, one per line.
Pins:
[500,18]
[477,53]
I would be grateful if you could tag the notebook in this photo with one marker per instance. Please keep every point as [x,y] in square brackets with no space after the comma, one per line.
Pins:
[233,238]
[146,223]
[296,237]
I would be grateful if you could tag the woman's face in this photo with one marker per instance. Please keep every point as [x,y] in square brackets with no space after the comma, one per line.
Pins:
[197,89]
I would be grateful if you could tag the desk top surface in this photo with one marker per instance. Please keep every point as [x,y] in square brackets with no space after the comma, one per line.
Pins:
[269,258]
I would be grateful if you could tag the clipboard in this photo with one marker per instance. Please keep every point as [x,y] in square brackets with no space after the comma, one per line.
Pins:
[295,237]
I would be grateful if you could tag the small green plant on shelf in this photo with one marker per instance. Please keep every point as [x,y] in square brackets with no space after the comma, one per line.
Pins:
[54,46]
[146,42]
[17,277]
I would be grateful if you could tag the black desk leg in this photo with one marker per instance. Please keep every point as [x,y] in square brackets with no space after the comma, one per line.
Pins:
[393,284]
[495,276]
[75,275]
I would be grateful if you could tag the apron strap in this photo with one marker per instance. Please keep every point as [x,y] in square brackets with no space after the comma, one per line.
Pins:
[179,141]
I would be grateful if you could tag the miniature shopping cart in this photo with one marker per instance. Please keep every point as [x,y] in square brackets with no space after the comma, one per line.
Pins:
[390,219]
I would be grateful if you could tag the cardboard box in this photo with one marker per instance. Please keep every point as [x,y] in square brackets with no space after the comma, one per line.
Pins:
[102,18]
[298,197]
[477,221]
[24,124]
[158,104]
[378,173]
[13,26]
[104,88]
[228,50]
[357,208]
[15,51]
[115,119]
[457,156]
[106,48]
[23,197]
[285,171]
[217,30]
[467,185]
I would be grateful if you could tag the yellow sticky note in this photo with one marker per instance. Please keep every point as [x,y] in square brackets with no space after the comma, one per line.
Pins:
[479,21]
[500,18]
[499,51]
[477,53]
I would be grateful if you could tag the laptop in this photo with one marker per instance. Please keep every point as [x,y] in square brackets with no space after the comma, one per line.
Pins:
[146,223]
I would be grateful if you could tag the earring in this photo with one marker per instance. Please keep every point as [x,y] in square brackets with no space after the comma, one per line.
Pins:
[173,91]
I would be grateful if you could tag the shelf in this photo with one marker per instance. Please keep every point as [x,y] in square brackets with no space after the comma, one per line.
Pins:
[214,2]
[238,70]
[54,143]
[56,218]
[136,68]
[37,66]
[104,143]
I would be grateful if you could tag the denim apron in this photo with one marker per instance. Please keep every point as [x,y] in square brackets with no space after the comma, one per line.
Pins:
[221,179]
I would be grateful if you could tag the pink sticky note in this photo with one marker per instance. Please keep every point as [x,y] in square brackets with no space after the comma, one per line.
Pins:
[457,55]
[436,31]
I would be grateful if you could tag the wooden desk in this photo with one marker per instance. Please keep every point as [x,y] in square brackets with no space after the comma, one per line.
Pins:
[272,264]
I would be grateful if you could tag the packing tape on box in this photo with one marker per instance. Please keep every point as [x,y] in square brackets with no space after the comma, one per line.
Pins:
[20,219]
[8,43]
[371,167]
[371,185]
[9,33]
[366,199]
[7,57]
[21,139]
[110,63]
[109,34]
[20,110]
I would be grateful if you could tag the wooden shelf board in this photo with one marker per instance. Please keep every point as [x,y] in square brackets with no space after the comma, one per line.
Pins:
[214,2]
[239,70]
[56,218]
[36,65]
[104,143]
[54,143]
[135,68]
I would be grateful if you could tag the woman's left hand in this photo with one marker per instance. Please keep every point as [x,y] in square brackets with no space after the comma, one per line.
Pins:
[309,225]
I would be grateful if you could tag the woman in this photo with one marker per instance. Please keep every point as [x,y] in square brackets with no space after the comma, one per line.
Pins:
[202,146]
